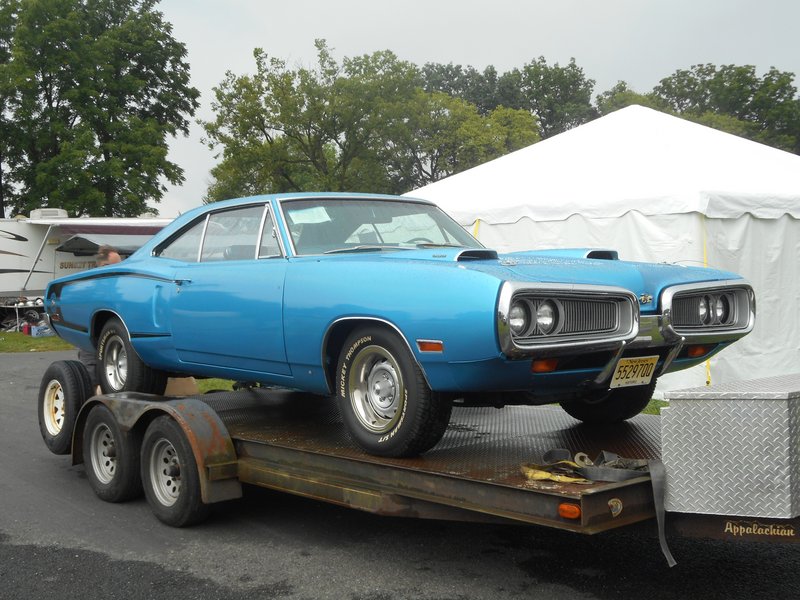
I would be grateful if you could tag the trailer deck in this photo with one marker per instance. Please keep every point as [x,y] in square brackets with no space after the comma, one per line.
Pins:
[296,443]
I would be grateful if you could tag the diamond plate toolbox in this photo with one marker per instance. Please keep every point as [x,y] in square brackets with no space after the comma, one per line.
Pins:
[734,449]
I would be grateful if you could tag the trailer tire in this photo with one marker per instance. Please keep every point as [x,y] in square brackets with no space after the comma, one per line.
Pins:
[119,368]
[383,396]
[111,456]
[618,405]
[65,387]
[169,475]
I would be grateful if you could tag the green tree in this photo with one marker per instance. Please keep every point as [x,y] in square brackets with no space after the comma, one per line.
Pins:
[621,96]
[467,83]
[286,130]
[765,108]
[9,137]
[559,97]
[99,85]
[362,125]
[440,135]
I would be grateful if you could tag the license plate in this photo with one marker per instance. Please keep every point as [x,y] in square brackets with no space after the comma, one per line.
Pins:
[634,371]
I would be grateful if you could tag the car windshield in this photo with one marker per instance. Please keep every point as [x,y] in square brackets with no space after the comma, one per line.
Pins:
[364,225]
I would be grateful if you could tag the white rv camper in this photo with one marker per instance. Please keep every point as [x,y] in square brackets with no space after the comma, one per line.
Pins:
[48,244]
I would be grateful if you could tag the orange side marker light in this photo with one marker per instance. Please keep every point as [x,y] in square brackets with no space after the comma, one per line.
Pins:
[569,511]
[544,365]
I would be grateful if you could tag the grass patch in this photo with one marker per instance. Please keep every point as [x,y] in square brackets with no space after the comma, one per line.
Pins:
[655,406]
[206,385]
[14,341]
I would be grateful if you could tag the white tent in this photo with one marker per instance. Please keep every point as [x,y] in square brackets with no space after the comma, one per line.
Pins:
[656,188]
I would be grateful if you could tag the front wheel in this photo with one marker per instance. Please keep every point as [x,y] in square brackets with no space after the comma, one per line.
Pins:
[119,368]
[618,405]
[65,387]
[169,475]
[385,402]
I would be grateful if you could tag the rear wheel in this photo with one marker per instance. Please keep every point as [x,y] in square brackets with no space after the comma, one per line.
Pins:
[119,368]
[111,457]
[65,387]
[618,405]
[169,475]
[385,402]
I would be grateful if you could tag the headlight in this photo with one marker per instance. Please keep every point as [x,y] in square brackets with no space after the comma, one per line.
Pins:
[704,310]
[546,317]
[722,309]
[518,318]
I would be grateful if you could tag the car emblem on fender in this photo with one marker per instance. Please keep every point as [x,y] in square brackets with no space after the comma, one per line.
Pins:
[645,299]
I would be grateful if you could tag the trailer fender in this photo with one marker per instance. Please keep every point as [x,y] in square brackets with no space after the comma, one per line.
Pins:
[206,433]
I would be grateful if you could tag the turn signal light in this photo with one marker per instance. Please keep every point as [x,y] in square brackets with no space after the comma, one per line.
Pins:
[544,365]
[569,511]
[697,351]
[430,346]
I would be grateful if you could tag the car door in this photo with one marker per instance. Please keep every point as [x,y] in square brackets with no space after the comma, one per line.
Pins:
[226,307]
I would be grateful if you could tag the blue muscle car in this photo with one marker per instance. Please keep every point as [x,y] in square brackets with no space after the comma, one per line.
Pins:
[392,307]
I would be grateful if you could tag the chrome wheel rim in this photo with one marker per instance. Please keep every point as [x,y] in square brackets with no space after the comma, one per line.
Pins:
[165,472]
[376,389]
[115,362]
[54,407]
[103,453]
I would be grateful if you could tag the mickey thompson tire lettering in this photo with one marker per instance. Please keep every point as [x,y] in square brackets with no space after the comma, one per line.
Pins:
[383,396]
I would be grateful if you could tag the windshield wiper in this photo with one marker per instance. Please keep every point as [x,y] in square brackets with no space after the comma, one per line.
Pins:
[364,248]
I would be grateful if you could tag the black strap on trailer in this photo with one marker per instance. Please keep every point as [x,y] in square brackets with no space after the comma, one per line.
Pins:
[611,467]
[658,478]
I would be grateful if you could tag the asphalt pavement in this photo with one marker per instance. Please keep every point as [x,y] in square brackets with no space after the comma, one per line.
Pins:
[58,540]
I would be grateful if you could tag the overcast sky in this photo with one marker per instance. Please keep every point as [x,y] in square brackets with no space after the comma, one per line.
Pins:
[637,41]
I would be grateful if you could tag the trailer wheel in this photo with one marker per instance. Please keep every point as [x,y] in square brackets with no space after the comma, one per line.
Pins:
[65,387]
[385,402]
[618,405]
[169,475]
[111,456]
[119,368]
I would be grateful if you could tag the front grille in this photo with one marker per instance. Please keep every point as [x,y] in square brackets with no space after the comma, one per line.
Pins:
[584,316]
[686,311]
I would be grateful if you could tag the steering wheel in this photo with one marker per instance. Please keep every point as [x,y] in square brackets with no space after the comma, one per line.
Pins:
[419,240]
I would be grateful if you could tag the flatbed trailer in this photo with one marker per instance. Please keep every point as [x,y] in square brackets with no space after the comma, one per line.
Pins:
[297,443]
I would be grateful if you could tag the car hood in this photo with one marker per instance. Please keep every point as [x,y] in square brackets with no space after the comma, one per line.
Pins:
[567,267]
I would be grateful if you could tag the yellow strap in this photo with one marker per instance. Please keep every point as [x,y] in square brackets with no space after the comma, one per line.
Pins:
[476,228]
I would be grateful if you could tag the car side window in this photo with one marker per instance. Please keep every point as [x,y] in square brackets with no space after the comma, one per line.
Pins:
[232,234]
[187,245]
[269,246]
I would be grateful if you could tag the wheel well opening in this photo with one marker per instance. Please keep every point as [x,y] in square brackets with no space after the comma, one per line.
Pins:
[334,343]
[98,322]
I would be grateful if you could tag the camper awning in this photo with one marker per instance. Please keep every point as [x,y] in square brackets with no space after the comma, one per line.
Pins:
[86,244]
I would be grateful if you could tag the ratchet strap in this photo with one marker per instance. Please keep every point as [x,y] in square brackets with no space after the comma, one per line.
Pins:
[561,465]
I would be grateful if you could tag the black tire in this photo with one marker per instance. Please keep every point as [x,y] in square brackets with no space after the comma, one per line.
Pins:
[383,397]
[65,387]
[119,368]
[111,457]
[169,475]
[618,405]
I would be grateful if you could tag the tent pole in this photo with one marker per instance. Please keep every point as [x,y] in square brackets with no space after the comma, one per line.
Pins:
[705,265]
[476,228]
